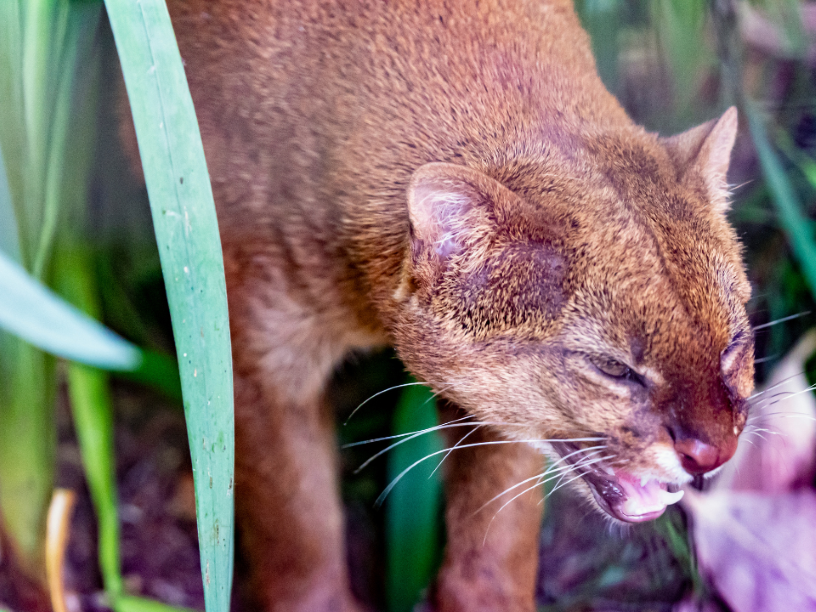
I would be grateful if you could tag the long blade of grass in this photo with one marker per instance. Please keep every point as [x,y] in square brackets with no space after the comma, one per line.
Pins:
[12,135]
[27,445]
[805,163]
[187,234]
[92,410]
[56,160]
[129,603]
[32,312]
[797,227]
[413,514]
[9,239]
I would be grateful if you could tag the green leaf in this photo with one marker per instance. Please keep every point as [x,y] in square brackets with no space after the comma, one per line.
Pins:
[27,447]
[680,27]
[602,20]
[129,603]
[9,240]
[803,161]
[159,371]
[44,47]
[32,312]
[797,227]
[413,511]
[186,227]
[92,410]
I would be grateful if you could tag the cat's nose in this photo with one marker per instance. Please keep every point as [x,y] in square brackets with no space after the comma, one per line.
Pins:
[697,457]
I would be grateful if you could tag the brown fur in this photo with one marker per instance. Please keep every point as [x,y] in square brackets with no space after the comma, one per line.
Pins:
[453,179]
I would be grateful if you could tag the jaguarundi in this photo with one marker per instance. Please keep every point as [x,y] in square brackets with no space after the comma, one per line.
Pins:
[451,178]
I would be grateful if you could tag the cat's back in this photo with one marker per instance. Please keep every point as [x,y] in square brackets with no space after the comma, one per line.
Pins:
[330,79]
[315,114]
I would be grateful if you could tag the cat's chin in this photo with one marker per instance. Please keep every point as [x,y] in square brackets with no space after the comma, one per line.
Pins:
[622,495]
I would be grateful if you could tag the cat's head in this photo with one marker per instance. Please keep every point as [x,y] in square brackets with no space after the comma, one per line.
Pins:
[593,294]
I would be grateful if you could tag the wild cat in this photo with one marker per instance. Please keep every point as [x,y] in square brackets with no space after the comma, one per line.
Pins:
[451,178]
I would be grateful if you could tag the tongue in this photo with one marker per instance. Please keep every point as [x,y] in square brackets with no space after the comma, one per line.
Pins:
[644,498]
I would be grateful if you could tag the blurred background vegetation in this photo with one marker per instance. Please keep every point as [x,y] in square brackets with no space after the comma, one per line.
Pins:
[75,218]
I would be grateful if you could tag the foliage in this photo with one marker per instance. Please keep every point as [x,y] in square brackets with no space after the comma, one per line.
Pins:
[413,529]
[45,59]
[190,248]
[48,75]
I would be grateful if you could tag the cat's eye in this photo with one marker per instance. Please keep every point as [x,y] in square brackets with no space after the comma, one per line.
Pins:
[615,369]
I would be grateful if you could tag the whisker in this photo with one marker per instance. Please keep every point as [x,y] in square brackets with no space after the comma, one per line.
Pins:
[450,450]
[788,415]
[378,393]
[769,431]
[590,450]
[405,438]
[779,384]
[410,433]
[550,469]
[575,478]
[456,423]
[558,484]
[782,320]
[399,477]
[527,490]
[780,396]
[784,397]
[768,401]
[436,394]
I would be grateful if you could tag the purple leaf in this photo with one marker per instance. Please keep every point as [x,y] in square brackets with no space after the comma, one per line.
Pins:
[759,550]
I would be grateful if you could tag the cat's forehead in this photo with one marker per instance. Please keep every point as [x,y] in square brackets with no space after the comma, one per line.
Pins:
[633,245]
[675,285]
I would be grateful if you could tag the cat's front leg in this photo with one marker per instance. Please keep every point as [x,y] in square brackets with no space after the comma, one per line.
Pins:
[491,559]
[287,500]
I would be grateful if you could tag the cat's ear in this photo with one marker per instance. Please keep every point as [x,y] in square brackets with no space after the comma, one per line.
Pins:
[702,155]
[450,207]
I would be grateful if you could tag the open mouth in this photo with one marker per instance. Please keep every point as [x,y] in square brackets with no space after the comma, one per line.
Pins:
[620,494]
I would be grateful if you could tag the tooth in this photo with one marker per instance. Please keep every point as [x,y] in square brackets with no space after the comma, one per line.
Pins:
[644,480]
[608,469]
[671,498]
[632,507]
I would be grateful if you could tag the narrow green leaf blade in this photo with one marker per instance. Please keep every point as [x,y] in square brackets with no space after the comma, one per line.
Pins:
[796,226]
[158,371]
[92,411]
[9,239]
[187,235]
[129,603]
[32,312]
[413,517]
